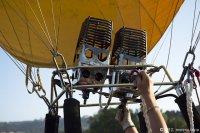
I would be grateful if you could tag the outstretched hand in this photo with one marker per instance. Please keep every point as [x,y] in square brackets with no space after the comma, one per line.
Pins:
[144,84]
[124,118]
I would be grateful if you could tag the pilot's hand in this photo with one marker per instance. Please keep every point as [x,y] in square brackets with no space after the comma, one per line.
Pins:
[124,117]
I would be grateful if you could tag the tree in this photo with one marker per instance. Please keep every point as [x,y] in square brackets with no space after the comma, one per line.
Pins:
[104,122]
[174,119]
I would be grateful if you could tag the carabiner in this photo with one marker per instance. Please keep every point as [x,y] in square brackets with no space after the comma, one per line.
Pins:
[55,54]
[39,89]
[192,53]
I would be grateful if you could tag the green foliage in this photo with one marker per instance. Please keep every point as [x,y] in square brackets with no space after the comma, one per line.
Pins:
[104,122]
[135,119]
[174,120]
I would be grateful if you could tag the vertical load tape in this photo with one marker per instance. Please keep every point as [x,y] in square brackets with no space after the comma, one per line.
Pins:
[51,123]
[143,128]
[72,121]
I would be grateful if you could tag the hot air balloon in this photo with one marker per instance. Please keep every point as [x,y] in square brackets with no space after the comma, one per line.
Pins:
[32,30]
[93,39]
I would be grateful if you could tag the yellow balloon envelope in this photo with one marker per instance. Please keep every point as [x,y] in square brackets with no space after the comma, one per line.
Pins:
[30,29]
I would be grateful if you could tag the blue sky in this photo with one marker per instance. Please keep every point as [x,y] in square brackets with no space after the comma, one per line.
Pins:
[17,105]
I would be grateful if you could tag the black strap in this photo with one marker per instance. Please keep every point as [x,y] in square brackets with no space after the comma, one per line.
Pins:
[181,101]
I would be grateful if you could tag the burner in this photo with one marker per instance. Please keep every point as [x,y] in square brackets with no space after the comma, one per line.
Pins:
[129,45]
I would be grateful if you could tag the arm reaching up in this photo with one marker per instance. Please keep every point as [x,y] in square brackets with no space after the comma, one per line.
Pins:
[145,86]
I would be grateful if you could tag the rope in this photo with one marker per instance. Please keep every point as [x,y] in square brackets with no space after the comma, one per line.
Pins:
[196,42]
[13,52]
[149,15]
[146,117]
[194,26]
[193,21]
[49,40]
[45,23]
[34,73]
[29,37]
[28,76]
[169,52]
[14,30]
[54,23]
[14,61]
[169,46]
[29,24]
[58,26]
[189,103]
[39,81]
[153,17]
[25,73]
[119,12]
[157,53]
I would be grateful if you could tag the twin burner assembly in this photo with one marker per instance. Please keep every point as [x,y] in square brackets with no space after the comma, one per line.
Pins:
[93,54]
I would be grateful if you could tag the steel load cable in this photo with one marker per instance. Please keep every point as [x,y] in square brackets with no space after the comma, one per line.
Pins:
[194,27]
[169,52]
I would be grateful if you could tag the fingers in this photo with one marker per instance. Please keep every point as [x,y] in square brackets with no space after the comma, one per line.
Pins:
[138,80]
[118,114]
[142,76]
[143,82]
[122,114]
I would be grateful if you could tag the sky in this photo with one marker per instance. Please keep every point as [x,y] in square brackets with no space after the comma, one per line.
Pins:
[16,104]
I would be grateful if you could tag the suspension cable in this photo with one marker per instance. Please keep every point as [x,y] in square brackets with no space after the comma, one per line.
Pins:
[117,6]
[189,89]
[54,23]
[29,24]
[169,52]
[196,42]
[17,64]
[194,26]
[13,27]
[171,35]
[13,52]
[145,115]
[40,25]
[59,18]
[194,16]
[28,74]
[44,22]
[158,51]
